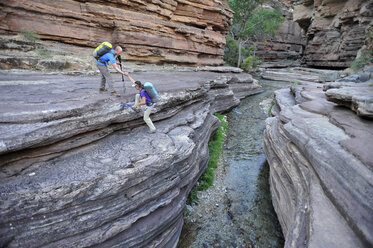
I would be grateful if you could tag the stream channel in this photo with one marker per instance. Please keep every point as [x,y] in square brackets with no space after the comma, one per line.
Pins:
[237,211]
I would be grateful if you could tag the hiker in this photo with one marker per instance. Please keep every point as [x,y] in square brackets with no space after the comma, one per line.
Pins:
[102,61]
[143,99]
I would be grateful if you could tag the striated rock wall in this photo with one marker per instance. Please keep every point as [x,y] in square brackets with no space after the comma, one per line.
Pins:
[321,167]
[157,31]
[335,30]
[285,47]
[78,171]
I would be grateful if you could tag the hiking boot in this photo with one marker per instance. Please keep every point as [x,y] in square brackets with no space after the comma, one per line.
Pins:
[102,90]
[114,93]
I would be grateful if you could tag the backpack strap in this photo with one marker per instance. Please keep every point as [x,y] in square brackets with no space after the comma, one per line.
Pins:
[99,59]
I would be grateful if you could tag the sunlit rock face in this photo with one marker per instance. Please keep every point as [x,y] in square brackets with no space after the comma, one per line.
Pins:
[172,31]
[335,30]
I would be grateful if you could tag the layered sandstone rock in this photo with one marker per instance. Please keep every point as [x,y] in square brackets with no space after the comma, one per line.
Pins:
[301,75]
[335,30]
[172,31]
[358,97]
[284,48]
[78,171]
[321,168]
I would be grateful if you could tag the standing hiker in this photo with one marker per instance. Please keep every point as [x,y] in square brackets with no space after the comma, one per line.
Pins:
[143,98]
[104,54]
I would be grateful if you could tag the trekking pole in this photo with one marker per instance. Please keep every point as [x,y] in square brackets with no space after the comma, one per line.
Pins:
[120,64]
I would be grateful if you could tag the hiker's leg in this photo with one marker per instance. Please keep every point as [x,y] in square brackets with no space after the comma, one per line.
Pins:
[102,85]
[137,98]
[109,82]
[147,119]
[108,79]
[103,81]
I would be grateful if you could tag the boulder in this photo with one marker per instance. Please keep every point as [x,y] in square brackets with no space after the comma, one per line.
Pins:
[364,76]
[357,97]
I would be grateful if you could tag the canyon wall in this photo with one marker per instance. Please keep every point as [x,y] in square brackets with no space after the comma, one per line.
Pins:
[321,163]
[193,32]
[158,31]
[285,48]
[76,170]
[335,30]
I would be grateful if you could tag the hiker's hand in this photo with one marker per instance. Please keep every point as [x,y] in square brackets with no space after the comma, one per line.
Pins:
[127,105]
[125,74]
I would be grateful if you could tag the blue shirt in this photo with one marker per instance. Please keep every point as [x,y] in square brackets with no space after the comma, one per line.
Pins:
[106,58]
[148,99]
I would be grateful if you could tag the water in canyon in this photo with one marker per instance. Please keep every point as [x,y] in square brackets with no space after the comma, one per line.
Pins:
[237,211]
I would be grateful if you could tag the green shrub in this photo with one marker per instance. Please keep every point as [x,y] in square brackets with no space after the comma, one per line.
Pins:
[193,197]
[270,108]
[231,51]
[206,180]
[250,62]
[30,35]
[364,59]
[44,52]
[215,149]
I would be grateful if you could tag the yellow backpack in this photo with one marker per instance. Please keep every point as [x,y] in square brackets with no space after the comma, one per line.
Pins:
[105,47]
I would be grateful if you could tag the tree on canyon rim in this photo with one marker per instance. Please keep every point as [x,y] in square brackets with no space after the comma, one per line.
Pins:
[251,22]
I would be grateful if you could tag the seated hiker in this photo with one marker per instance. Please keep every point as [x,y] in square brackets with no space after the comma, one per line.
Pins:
[102,61]
[143,99]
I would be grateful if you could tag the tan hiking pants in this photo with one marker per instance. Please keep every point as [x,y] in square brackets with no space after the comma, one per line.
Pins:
[148,110]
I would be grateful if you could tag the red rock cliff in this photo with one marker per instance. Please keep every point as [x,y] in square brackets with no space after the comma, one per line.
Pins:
[156,31]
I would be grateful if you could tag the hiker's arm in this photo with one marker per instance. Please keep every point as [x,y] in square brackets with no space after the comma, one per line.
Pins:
[143,102]
[118,70]
[132,80]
